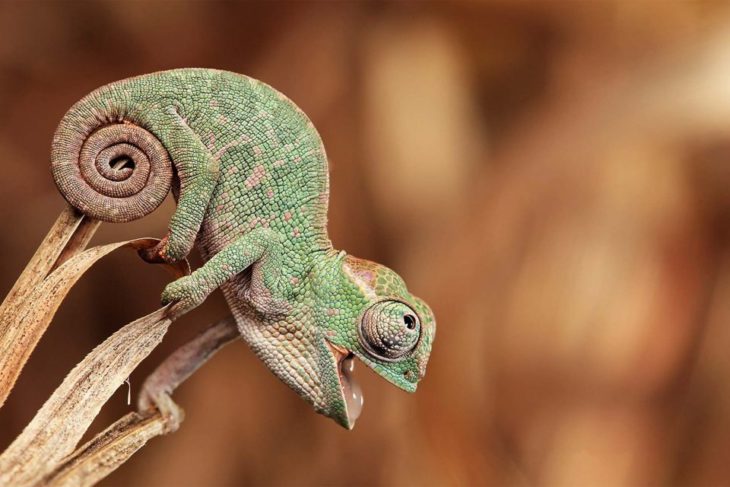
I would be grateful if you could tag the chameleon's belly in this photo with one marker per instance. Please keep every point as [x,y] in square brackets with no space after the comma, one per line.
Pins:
[241,309]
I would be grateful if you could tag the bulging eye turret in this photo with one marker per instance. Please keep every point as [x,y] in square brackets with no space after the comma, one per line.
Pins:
[390,330]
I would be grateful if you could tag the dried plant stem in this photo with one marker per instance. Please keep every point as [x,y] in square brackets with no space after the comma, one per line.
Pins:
[62,420]
[158,413]
[108,450]
[44,453]
[46,255]
[58,426]
[22,320]
[31,318]
[78,241]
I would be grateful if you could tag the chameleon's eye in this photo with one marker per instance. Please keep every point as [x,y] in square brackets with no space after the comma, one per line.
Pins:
[389,330]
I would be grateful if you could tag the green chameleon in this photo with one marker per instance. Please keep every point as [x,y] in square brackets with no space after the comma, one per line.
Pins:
[250,176]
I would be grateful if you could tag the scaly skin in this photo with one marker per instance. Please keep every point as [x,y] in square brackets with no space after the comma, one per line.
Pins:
[253,194]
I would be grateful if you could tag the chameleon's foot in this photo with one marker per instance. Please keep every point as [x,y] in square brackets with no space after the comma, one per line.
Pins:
[171,413]
[156,254]
[186,292]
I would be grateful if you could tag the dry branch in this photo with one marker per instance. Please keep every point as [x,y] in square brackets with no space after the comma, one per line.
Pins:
[44,453]
[21,322]
[63,419]
[61,422]
[158,413]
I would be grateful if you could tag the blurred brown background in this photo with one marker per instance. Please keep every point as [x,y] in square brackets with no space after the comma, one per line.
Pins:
[552,177]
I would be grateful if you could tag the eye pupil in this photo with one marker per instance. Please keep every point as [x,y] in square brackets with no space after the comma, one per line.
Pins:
[410,321]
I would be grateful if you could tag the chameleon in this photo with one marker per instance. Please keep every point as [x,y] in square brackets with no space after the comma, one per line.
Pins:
[250,176]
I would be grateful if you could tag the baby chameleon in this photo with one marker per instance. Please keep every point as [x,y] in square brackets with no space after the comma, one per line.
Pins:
[250,175]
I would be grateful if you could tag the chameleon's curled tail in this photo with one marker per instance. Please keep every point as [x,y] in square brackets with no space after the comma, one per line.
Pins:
[105,164]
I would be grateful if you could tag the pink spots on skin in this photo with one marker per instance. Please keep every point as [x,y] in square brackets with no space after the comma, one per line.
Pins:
[332,312]
[222,119]
[296,232]
[255,223]
[257,150]
[232,170]
[270,193]
[294,281]
[287,216]
[368,275]
[213,103]
[297,160]
[258,174]
[259,222]
[278,163]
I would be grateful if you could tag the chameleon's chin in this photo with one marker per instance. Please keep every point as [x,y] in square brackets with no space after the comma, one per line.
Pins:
[349,388]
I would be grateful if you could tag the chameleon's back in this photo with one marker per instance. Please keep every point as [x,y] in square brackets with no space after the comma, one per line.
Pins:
[267,158]
[273,167]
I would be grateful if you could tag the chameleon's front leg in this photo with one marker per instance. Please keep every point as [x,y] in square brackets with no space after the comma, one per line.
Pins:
[260,248]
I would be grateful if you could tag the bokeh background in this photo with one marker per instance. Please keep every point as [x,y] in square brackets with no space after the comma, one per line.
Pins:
[552,177]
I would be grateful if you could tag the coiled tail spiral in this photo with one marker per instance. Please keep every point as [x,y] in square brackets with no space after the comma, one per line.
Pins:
[109,168]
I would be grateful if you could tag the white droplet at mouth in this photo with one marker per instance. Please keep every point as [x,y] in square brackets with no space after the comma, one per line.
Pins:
[350,389]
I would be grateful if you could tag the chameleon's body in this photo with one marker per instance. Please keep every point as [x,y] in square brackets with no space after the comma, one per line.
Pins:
[253,196]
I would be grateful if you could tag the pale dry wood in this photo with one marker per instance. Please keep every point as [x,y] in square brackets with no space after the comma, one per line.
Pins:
[60,423]
[26,311]
[78,241]
[46,255]
[108,450]
[58,426]
[158,413]
[30,319]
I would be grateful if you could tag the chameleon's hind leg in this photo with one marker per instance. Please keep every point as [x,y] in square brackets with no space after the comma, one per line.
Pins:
[197,170]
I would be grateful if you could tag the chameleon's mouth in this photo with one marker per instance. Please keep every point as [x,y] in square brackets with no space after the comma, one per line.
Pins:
[350,389]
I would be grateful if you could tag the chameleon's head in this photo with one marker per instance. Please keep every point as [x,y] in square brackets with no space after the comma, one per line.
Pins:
[363,309]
